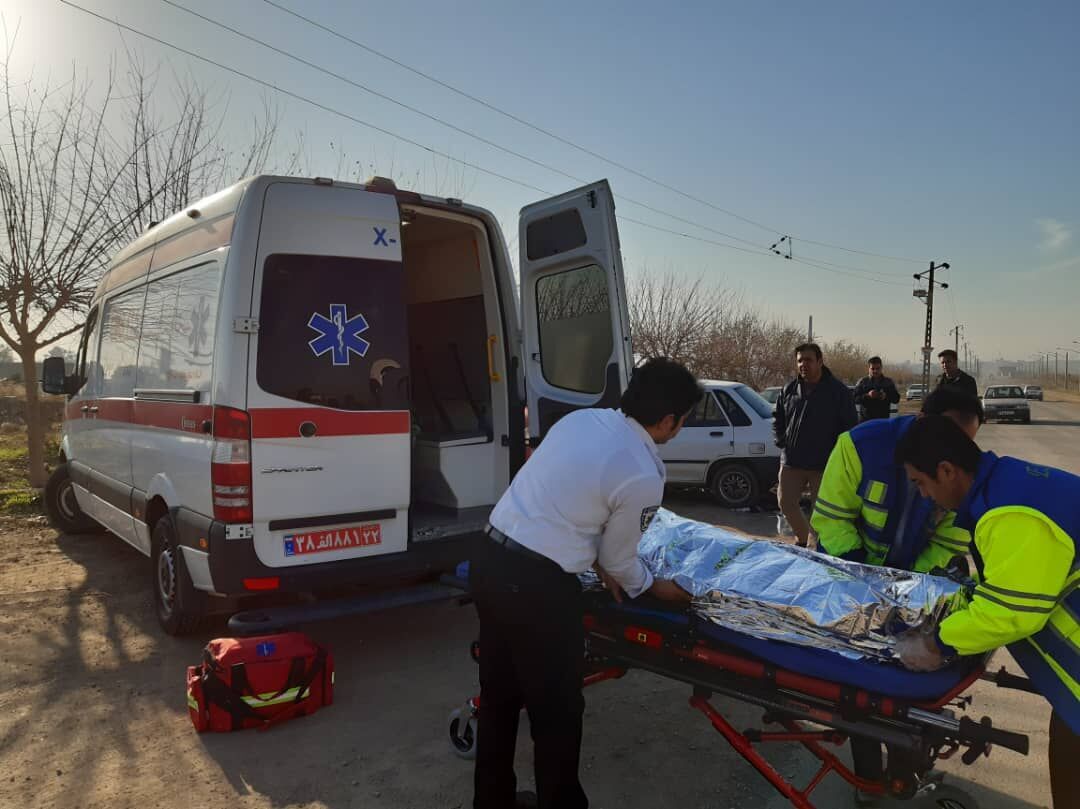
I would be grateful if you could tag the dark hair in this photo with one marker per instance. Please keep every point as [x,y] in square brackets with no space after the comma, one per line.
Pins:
[874,361]
[658,387]
[933,439]
[945,399]
[805,347]
[948,352]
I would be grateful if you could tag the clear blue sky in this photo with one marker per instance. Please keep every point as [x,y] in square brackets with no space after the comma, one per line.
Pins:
[930,131]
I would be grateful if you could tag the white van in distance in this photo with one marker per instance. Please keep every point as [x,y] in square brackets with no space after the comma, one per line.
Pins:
[298,383]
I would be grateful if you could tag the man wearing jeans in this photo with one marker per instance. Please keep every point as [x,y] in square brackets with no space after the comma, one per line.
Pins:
[811,413]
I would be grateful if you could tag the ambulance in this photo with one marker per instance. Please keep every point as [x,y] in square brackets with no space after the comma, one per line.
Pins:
[297,384]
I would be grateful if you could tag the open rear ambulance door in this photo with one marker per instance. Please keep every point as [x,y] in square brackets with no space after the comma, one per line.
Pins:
[576,325]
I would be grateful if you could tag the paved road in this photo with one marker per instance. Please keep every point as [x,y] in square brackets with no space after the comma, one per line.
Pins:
[94,711]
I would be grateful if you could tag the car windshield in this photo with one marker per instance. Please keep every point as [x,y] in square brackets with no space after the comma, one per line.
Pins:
[1004,393]
[755,400]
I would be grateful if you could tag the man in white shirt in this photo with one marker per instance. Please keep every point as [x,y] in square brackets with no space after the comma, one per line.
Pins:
[581,501]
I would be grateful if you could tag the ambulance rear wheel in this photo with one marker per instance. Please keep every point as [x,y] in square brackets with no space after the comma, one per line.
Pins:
[734,485]
[62,508]
[462,734]
[179,606]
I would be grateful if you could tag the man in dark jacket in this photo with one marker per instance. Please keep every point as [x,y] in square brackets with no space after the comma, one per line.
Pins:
[874,394]
[953,376]
[811,413]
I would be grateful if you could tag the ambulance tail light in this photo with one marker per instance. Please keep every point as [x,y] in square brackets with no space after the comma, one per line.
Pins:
[230,465]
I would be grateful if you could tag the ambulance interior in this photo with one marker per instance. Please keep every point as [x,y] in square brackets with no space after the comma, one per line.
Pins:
[459,465]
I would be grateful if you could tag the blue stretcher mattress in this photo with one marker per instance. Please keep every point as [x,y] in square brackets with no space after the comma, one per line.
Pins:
[886,679]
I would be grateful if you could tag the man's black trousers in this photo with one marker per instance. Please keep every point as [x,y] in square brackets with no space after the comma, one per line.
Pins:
[531,657]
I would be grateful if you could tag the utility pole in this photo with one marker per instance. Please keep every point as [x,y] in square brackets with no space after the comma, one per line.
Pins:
[928,340]
[810,330]
[956,331]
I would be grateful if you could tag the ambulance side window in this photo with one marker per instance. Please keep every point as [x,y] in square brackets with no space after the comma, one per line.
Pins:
[87,344]
[177,342]
[574,315]
[119,342]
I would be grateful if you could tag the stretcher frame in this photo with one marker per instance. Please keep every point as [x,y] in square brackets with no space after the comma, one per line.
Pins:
[811,711]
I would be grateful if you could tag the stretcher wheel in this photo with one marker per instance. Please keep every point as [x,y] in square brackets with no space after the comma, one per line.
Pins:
[461,732]
[947,797]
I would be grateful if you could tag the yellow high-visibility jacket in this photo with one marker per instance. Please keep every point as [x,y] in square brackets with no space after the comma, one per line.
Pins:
[868,511]
[1026,520]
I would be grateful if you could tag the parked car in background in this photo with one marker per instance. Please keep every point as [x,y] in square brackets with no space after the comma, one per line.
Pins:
[726,446]
[1006,403]
[1033,392]
[770,395]
[915,391]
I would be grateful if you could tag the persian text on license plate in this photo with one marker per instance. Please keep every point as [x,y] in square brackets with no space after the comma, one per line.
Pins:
[335,539]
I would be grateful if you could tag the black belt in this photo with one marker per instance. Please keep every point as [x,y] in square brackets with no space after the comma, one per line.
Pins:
[499,538]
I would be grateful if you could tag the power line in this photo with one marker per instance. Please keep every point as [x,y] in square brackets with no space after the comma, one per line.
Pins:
[570,143]
[448,124]
[500,147]
[410,141]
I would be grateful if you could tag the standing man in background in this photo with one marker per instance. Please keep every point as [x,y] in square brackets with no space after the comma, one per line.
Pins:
[581,501]
[952,376]
[811,413]
[875,393]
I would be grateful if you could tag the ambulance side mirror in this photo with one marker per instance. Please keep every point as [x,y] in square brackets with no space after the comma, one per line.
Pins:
[54,376]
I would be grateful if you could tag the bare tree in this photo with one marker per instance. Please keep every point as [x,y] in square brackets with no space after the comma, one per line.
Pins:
[711,330]
[57,174]
[182,156]
[846,360]
[72,193]
[677,318]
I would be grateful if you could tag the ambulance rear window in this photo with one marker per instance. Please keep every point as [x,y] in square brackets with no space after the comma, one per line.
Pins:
[332,332]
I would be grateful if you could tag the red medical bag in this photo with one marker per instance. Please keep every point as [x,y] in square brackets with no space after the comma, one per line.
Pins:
[258,681]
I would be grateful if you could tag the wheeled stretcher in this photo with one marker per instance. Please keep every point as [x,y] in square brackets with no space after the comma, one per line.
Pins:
[812,696]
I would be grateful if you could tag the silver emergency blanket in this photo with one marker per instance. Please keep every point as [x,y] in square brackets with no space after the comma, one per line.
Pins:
[773,590]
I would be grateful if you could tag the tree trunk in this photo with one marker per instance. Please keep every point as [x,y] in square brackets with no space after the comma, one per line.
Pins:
[35,429]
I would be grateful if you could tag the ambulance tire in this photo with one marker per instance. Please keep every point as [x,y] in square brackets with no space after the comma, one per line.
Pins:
[734,485]
[462,739]
[62,508]
[178,605]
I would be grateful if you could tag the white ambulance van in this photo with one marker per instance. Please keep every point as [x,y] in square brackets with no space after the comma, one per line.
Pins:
[296,384]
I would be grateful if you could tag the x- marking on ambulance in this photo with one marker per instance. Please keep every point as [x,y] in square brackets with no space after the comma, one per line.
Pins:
[297,384]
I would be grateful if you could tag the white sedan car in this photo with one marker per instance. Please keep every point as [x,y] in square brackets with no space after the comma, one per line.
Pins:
[1006,403]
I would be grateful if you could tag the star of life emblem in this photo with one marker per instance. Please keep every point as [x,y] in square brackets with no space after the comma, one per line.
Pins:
[339,334]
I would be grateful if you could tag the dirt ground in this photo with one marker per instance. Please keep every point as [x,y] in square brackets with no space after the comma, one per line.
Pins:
[92,709]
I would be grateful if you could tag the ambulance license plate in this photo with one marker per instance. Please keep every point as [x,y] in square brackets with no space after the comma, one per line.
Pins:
[335,539]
